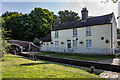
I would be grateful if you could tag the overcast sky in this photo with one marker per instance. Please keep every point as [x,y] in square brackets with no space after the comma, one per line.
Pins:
[95,7]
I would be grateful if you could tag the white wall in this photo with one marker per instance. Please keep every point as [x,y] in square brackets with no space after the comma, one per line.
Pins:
[98,45]
[97,33]
[119,15]
[114,33]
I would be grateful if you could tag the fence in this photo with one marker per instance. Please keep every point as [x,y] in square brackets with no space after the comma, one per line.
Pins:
[104,51]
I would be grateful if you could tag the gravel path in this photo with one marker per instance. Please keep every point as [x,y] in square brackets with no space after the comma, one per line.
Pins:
[108,74]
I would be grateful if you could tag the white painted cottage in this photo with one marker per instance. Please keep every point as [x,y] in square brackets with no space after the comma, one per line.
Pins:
[96,35]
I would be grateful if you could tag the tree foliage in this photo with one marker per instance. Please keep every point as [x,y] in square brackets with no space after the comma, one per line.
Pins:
[3,43]
[28,26]
[114,1]
[36,24]
[118,31]
[42,20]
[67,16]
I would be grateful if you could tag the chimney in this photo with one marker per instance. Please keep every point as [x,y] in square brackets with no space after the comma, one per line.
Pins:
[58,21]
[84,13]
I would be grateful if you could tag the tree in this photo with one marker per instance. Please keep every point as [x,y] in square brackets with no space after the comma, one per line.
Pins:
[67,16]
[6,14]
[36,24]
[3,43]
[90,16]
[42,20]
[118,31]
[11,23]
[114,1]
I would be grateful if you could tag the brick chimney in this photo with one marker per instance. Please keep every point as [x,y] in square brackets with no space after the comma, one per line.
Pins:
[58,21]
[84,13]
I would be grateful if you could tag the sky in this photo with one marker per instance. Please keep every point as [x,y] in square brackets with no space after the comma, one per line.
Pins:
[95,7]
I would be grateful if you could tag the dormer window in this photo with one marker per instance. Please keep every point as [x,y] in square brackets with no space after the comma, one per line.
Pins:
[74,32]
[88,31]
[56,34]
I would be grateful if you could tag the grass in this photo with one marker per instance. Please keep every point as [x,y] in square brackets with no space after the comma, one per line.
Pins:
[77,56]
[18,67]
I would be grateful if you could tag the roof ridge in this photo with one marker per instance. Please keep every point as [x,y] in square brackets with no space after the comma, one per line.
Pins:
[102,15]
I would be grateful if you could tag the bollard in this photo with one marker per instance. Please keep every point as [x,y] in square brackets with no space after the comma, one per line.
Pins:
[92,69]
[35,58]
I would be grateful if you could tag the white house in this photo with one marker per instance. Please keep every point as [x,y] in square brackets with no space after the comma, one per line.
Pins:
[96,35]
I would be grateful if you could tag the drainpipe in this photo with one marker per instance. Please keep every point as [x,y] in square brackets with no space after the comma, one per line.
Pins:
[111,37]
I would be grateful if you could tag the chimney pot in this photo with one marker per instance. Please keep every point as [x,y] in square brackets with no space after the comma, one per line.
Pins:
[58,20]
[84,13]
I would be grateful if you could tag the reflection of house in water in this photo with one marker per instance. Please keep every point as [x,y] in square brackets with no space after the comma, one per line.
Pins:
[25,46]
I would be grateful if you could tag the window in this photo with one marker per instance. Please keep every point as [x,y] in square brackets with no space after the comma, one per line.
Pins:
[56,44]
[88,31]
[74,32]
[44,44]
[56,34]
[88,44]
[74,43]
[47,44]
[68,43]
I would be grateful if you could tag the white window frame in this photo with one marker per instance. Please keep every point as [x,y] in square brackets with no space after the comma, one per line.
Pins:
[56,34]
[74,43]
[74,32]
[88,43]
[56,44]
[88,31]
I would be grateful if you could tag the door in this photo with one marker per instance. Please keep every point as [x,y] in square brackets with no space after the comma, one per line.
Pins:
[68,45]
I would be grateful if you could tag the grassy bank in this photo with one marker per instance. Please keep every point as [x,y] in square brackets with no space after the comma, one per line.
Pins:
[18,67]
